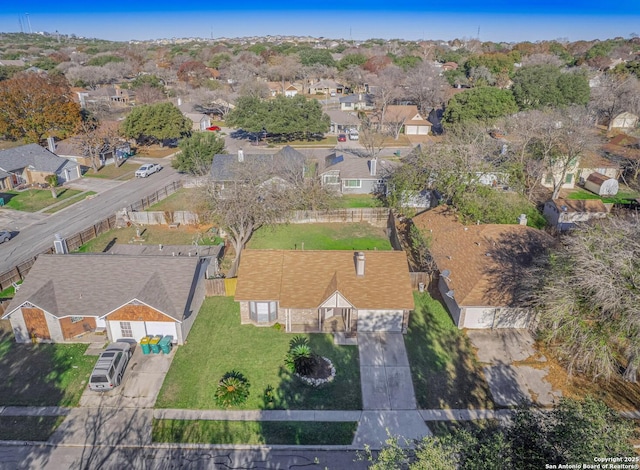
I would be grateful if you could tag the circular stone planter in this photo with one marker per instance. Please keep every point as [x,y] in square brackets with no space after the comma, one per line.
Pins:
[320,381]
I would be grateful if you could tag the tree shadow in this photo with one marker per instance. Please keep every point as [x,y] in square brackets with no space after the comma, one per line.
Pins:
[6,197]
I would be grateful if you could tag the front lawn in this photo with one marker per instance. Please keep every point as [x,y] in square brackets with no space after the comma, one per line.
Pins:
[42,374]
[333,236]
[71,201]
[28,428]
[254,432]
[152,235]
[444,367]
[218,344]
[125,171]
[33,200]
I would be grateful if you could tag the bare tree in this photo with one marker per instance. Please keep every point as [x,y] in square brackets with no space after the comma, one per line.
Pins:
[387,89]
[251,201]
[614,95]
[97,138]
[542,59]
[426,87]
[371,137]
[147,94]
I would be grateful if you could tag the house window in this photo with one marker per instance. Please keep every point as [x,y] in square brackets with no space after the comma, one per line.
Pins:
[263,312]
[331,179]
[351,183]
[125,328]
[548,179]
[569,178]
[76,319]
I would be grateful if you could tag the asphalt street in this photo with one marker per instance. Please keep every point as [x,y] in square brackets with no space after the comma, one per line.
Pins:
[38,237]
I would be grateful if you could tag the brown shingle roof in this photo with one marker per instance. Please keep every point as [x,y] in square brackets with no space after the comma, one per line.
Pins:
[305,279]
[483,261]
[580,205]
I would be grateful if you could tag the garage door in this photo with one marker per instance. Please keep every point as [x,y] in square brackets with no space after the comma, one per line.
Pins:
[127,329]
[411,130]
[380,320]
[163,328]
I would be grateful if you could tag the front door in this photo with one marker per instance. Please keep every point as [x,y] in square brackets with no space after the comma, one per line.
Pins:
[36,323]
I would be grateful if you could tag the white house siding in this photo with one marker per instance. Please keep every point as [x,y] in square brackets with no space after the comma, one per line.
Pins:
[137,327]
[336,301]
[55,330]
[452,305]
[19,327]
[380,320]
[163,328]
[69,174]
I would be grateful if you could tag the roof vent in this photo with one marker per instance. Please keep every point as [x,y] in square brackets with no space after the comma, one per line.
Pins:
[359,256]
[445,273]
[450,294]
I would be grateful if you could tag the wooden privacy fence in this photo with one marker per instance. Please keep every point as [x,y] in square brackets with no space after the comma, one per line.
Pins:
[420,278]
[373,215]
[220,287]
[160,218]
[158,196]
[76,241]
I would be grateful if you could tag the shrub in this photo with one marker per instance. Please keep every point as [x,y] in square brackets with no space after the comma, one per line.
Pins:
[233,389]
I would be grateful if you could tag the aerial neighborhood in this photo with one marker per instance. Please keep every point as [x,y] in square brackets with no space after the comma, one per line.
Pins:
[413,250]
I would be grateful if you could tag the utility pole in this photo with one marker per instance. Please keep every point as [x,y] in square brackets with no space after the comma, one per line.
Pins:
[29,22]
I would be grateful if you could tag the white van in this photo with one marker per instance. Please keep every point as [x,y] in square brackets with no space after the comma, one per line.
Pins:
[353,135]
[109,370]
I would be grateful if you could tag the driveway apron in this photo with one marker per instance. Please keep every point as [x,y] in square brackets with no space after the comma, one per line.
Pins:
[388,399]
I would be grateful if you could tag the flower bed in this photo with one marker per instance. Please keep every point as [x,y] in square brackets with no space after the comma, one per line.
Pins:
[317,381]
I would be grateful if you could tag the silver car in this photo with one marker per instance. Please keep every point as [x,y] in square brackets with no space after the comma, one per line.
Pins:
[109,370]
[147,170]
[5,236]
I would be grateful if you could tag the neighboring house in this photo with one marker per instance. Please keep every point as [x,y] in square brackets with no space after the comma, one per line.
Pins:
[348,174]
[199,121]
[624,121]
[570,176]
[292,90]
[288,89]
[326,87]
[108,94]
[65,296]
[12,63]
[481,267]
[284,164]
[357,102]
[592,162]
[325,291]
[32,164]
[408,117]
[341,121]
[564,214]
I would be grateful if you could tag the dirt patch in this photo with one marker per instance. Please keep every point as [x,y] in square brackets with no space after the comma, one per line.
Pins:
[155,151]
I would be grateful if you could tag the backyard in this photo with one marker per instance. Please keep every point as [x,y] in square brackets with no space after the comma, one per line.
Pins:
[624,195]
[152,235]
[444,367]
[357,201]
[219,344]
[326,236]
[33,200]
[184,199]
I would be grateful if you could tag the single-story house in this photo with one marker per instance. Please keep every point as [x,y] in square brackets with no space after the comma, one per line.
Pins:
[326,87]
[325,291]
[107,94]
[564,214]
[12,63]
[480,267]
[357,102]
[348,174]
[65,296]
[32,164]
[570,176]
[284,164]
[593,162]
[199,121]
[341,121]
[409,117]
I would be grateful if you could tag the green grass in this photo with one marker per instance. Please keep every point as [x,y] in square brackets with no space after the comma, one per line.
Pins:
[42,374]
[358,201]
[254,432]
[444,367]
[110,172]
[28,428]
[33,200]
[181,200]
[152,235]
[334,236]
[622,197]
[70,202]
[218,344]
[328,141]
[9,292]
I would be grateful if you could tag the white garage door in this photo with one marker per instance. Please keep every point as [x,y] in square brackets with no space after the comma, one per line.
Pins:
[423,130]
[380,320]
[127,329]
[163,328]
[411,130]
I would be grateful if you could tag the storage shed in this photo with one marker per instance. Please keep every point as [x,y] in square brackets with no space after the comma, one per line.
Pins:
[601,185]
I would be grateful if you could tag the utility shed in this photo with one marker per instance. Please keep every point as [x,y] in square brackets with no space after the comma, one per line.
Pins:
[601,185]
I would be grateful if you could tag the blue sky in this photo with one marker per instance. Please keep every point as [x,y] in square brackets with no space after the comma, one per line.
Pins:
[498,20]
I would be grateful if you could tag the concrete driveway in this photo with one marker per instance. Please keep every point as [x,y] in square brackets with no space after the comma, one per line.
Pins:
[142,381]
[510,381]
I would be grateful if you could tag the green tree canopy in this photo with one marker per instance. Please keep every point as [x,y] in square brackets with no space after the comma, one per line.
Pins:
[316,56]
[351,59]
[497,62]
[289,118]
[159,121]
[196,153]
[482,104]
[540,86]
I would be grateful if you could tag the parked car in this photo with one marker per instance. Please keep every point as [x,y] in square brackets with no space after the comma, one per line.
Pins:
[214,128]
[342,137]
[109,370]
[353,135]
[148,169]
[5,236]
